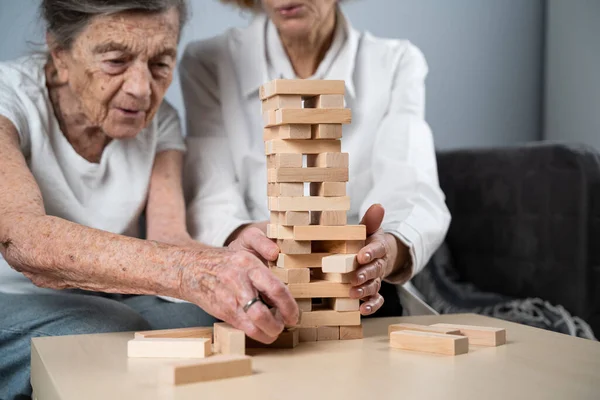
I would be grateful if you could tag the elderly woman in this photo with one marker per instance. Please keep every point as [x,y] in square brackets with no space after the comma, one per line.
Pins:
[392,159]
[86,143]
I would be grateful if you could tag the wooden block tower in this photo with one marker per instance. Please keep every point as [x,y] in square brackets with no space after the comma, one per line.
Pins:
[303,126]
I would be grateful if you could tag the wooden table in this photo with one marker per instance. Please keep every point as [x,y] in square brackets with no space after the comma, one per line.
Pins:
[534,364]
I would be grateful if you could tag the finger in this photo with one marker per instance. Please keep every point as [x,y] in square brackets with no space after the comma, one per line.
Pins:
[368,289]
[244,323]
[373,218]
[277,293]
[372,304]
[372,251]
[271,324]
[255,240]
[371,271]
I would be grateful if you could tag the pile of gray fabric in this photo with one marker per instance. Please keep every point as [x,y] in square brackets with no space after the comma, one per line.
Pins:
[439,283]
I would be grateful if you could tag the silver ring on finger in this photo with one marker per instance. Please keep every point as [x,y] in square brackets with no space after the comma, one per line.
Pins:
[251,302]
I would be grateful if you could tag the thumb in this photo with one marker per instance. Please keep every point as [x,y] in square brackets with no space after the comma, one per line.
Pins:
[373,218]
[253,239]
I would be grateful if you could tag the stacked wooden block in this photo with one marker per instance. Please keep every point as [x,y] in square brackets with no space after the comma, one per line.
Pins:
[307,175]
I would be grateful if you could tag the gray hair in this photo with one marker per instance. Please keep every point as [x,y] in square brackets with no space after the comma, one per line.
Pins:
[65,19]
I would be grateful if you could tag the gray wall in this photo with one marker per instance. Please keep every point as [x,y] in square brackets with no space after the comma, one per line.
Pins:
[573,72]
[485,57]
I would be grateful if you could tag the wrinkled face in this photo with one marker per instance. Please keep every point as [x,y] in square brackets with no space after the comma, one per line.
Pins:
[119,68]
[298,18]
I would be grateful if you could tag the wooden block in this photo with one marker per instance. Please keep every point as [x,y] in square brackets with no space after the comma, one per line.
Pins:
[329,318]
[328,218]
[327,160]
[318,232]
[289,132]
[479,335]
[318,274]
[283,101]
[297,275]
[303,87]
[328,333]
[208,369]
[351,332]
[338,247]
[422,328]
[344,304]
[294,247]
[288,339]
[285,190]
[325,101]
[302,146]
[309,203]
[340,263]
[293,218]
[307,334]
[326,131]
[289,261]
[304,304]
[429,342]
[307,116]
[285,160]
[319,289]
[278,175]
[328,189]
[169,347]
[229,340]
[280,232]
[197,332]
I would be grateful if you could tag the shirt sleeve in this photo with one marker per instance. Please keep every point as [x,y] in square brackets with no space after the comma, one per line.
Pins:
[215,201]
[170,136]
[405,168]
[13,108]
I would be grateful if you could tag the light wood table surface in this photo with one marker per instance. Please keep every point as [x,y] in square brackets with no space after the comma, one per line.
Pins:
[534,364]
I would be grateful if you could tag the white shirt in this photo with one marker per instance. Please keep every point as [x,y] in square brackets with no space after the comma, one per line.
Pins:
[109,195]
[392,157]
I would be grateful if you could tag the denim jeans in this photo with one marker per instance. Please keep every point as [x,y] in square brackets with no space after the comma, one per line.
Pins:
[23,317]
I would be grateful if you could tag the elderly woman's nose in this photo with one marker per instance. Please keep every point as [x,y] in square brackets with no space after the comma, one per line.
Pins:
[137,81]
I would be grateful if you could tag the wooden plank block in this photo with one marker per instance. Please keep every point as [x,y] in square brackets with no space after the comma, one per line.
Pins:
[329,318]
[285,160]
[340,263]
[328,189]
[302,146]
[288,339]
[304,87]
[328,333]
[327,160]
[296,275]
[289,261]
[289,132]
[285,101]
[294,247]
[326,131]
[285,189]
[351,332]
[195,332]
[307,334]
[319,289]
[229,340]
[429,342]
[318,232]
[479,335]
[325,101]
[278,175]
[422,328]
[169,347]
[318,274]
[208,369]
[328,218]
[307,116]
[343,304]
[304,304]
[338,246]
[280,232]
[293,218]
[309,203]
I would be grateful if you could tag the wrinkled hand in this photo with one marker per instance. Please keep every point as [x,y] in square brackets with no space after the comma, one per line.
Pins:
[222,281]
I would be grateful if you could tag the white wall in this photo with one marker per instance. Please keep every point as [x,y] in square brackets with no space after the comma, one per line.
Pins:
[485,57]
[573,72]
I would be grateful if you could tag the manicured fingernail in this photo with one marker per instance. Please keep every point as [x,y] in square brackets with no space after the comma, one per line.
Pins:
[360,292]
[368,256]
[369,308]
[361,278]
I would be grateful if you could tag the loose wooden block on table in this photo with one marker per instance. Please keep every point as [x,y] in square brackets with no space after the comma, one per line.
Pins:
[285,189]
[319,289]
[429,342]
[297,175]
[169,347]
[293,247]
[351,332]
[343,304]
[479,335]
[312,260]
[328,333]
[318,232]
[338,246]
[326,131]
[288,339]
[329,318]
[303,87]
[284,160]
[229,340]
[296,275]
[282,101]
[307,334]
[327,160]
[328,218]
[422,328]
[328,189]
[340,263]
[297,132]
[195,332]
[208,369]
[325,101]
[290,218]
[309,203]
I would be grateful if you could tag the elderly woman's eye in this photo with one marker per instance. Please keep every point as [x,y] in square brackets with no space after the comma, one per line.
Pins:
[116,62]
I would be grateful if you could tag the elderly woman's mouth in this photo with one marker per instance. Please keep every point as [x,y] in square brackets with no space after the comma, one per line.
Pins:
[131,112]
[291,10]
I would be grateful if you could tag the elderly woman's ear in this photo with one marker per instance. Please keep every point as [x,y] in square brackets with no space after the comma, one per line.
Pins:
[57,55]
